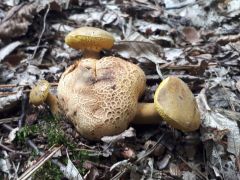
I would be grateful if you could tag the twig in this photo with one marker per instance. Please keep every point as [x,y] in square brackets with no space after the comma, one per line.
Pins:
[148,152]
[8,120]
[15,85]
[182,5]
[199,173]
[13,151]
[23,114]
[47,155]
[19,7]
[158,69]
[2,94]
[44,27]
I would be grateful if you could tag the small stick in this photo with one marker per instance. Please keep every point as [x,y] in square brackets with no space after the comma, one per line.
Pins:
[15,85]
[13,151]
[8,120]
[43,30]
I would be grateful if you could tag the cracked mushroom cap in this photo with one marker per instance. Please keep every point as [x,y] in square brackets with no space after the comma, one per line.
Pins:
[89,38]
[100,96]
[176,104]
[39,93]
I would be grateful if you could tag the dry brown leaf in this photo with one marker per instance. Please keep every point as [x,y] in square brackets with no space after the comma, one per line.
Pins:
[138,47]
[17,20]
[191,35]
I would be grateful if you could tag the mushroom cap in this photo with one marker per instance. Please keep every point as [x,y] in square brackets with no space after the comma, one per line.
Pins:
[89,38]
[176,104]
[100,96]
[39,93]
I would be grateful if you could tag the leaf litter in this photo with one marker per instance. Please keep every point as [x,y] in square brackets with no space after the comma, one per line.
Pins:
[197,41]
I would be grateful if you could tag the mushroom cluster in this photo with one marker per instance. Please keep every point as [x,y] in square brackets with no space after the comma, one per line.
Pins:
[100,96]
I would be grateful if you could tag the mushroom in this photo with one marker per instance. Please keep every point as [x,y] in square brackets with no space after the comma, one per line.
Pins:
[101,97]
[90,40]
[176,104]
[40,94]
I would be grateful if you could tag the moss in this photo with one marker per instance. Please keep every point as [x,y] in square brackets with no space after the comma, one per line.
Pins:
[48,171]
[49,128]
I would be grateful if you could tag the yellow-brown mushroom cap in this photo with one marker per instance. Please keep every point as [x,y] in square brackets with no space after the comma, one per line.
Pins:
[89,38]
[39,92]
[176,104]
[100,96]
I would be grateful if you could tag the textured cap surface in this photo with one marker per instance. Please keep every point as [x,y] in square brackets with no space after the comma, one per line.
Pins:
[100,96]
[90,38]
[176,104]
[39,92]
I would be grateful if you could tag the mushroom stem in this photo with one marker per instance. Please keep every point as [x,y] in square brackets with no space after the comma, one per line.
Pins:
[52,102]
[146,114]
[90,54]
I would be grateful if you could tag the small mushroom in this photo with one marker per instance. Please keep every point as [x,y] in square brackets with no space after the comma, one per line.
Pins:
[40,94]
[175,103]
[90,40]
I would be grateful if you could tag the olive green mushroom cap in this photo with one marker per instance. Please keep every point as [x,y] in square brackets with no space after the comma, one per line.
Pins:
[39,93]
[89,38]
[176,104]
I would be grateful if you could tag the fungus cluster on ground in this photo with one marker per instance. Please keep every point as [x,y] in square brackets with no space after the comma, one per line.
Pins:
[100,96]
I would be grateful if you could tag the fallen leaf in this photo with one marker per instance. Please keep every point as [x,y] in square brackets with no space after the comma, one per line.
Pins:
[17,21]
[191,35]
[138,47]
[125,134]
[8,49]
[70,171]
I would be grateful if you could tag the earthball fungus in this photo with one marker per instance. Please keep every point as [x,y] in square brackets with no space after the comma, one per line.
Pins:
[100,96]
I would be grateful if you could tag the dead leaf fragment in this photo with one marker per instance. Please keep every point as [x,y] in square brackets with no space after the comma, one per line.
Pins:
[10,101]
[238,85]
[191,35]
[8,49]
[126,134]
[138,47]
[70,171]
[17,20]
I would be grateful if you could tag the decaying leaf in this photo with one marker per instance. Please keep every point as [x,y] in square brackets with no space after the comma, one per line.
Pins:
[191,35]
[17,21]
[212,119]
[12,135]
[8,102]
[126,134]
[238,85]
[138,47]
[5,165]
[8,49]
[70,171]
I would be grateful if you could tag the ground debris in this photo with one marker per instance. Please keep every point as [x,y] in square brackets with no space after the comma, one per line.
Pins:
[197,41]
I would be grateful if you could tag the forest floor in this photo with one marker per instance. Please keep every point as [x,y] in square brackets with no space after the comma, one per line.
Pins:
[195,40]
